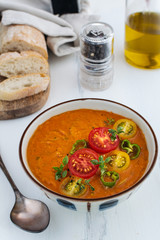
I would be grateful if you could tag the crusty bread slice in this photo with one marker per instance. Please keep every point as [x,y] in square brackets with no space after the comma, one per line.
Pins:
[14,63]
[23,86]
[24,106]
[18,38]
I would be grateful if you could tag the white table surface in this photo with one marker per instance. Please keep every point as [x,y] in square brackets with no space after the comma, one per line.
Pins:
[137,218]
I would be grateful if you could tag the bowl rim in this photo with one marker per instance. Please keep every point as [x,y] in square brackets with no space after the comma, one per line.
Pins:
[89,199]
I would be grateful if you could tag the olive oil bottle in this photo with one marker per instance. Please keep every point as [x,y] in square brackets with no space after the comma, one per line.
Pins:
[142,40]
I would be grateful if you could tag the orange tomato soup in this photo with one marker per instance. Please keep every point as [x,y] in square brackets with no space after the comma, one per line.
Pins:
[53,140]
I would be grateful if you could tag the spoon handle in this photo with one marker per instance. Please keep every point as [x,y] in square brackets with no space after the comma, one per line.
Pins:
[4,169]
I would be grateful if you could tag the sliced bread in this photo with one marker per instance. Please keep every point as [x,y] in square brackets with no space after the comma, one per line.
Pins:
[19,87]
[24,106]
[18,38]
[26,62]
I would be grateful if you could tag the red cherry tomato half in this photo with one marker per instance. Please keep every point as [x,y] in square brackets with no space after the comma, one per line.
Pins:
[80,163]
[100,140]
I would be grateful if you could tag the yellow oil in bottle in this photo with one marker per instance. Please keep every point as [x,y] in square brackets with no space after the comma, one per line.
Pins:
[142,40]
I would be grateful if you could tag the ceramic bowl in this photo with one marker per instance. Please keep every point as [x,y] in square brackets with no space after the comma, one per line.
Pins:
[97,104]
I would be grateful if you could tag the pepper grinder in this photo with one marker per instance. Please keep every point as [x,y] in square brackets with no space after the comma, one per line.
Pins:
[96,56]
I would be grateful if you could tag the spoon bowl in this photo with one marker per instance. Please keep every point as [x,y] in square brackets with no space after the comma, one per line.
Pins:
[28,214]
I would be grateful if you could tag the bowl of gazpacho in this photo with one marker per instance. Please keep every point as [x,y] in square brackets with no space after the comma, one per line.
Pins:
[88,154]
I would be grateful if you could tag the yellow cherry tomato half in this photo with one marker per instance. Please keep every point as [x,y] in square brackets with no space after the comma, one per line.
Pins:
[126,127]
[119,160]
[73,187]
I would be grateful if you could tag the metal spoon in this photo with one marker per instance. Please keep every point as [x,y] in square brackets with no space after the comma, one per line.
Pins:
[30,215]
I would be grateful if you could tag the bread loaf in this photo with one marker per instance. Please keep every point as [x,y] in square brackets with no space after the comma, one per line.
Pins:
[24,71]
[14,63]
[18,38]
[19,87]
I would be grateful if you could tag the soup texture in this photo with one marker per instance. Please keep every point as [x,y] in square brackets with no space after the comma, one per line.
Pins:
[88,153]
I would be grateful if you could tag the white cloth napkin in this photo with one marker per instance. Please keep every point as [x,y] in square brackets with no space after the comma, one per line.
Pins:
[62,32]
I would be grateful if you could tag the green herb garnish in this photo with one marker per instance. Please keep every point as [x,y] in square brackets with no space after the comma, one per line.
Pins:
[110,121]
[101,163]
[60,172]
[87,183]
[114,133]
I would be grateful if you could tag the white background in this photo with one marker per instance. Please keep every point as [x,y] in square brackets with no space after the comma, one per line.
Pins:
[137,218]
